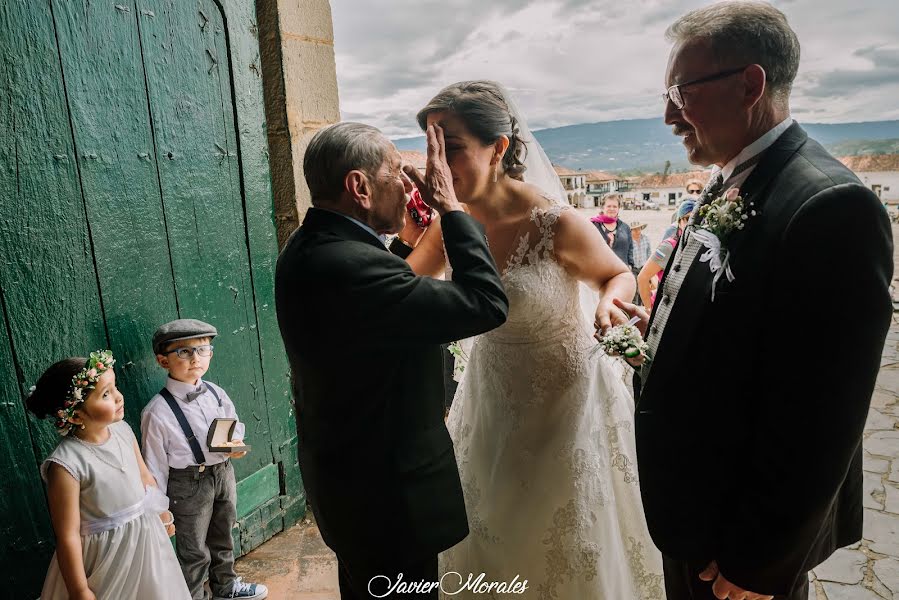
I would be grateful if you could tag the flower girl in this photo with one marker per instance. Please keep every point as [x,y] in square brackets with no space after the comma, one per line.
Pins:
[104,504]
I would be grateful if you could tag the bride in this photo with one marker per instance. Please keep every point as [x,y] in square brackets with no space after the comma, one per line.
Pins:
[542,426]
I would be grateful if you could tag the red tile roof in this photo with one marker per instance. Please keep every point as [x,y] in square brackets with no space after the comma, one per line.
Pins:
[672,180]
[868,163]
[565,171]
[419,160]
[600,176]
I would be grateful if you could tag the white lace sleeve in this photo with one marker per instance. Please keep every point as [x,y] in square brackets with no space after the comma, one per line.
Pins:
[545,220]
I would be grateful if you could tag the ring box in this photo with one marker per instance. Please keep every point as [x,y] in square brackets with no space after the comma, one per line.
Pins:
[221,434]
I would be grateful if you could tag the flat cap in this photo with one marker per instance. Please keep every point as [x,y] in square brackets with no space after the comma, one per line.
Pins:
[181,329]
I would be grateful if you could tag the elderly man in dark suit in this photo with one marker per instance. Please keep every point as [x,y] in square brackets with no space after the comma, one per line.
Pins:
[751,469]
[363,336]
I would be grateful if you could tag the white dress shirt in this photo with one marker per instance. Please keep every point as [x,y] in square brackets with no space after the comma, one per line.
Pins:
[756,147]
[164,443]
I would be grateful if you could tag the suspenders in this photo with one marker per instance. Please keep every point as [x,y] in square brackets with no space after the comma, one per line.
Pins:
[185,426]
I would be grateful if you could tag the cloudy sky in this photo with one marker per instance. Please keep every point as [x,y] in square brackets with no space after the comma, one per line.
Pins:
[578,61]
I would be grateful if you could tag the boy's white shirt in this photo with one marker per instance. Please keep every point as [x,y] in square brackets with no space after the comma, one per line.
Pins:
[164,443]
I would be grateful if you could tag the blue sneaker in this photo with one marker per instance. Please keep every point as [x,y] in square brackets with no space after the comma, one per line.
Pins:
[245,591]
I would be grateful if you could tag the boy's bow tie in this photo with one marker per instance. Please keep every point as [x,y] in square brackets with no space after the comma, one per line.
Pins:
[191,396]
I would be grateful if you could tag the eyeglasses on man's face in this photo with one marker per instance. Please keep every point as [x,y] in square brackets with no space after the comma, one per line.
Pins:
[188,352]
[694,191]
[673,94]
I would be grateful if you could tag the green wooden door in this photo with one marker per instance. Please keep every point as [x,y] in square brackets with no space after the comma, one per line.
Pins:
[136,190]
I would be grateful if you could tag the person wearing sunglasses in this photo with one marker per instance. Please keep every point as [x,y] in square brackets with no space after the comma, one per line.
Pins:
[751,468]
[694,187]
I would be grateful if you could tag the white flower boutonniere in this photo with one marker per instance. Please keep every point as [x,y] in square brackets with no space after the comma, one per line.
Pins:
[718,220]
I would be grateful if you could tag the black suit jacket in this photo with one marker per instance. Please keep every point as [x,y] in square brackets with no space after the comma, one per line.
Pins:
[363,334]
[749,425]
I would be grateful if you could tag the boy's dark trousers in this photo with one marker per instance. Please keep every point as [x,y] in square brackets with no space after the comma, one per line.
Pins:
[204,506]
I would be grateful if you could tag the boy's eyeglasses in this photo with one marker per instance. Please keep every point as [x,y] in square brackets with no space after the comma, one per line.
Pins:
[188,353]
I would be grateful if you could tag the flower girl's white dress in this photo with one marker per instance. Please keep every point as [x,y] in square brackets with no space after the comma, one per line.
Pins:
[127,553]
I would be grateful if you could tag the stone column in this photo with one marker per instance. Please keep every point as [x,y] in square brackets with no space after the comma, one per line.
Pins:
[296,40]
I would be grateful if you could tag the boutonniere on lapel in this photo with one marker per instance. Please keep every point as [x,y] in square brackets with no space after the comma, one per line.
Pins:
[717,221]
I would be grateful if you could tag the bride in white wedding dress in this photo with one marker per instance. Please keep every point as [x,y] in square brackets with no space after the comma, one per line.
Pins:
[542,426]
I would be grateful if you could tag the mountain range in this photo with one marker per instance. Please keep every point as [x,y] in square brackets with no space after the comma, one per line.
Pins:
[644,145]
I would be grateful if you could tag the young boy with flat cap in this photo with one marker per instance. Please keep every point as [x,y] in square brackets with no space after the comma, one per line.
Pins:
[200,484]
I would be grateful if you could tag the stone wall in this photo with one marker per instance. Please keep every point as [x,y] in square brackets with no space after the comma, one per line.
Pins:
[296,40]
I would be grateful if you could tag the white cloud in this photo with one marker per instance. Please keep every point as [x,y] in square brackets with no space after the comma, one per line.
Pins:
[576,61]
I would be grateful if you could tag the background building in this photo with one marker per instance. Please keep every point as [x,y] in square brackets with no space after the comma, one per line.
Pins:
[666,190]
[575,184]
[880,172]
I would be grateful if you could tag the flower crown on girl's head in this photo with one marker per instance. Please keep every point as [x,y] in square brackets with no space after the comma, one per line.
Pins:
[83,381]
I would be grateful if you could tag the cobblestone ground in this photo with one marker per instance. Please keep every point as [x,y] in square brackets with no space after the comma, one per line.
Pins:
[296,564]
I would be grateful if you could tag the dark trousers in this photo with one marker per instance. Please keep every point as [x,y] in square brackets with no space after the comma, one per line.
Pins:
[363,579]
[682,582]
[204,506]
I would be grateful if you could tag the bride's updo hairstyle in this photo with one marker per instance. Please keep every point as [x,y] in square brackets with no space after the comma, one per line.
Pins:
[483,108]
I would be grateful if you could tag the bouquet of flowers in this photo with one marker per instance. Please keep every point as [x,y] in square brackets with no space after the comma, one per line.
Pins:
[624,340]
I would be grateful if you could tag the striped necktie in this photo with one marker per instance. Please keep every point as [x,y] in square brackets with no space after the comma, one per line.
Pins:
[746,164]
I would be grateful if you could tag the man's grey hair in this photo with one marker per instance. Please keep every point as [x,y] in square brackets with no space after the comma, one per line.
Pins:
[335,151]
[744,33]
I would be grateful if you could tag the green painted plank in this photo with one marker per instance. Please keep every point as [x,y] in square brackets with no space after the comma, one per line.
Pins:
[257,489]
[261,525]
[290,469]
[262,234]
[25,527]
[294,510]
[48,287]
[105,82]
[47,271]
[189,85]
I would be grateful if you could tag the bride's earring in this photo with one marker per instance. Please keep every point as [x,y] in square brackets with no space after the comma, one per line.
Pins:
[494,173]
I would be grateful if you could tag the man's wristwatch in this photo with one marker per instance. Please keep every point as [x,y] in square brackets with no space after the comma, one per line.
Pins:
[400,247]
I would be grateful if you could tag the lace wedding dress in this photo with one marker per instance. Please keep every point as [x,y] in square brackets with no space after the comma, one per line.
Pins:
[543,435]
